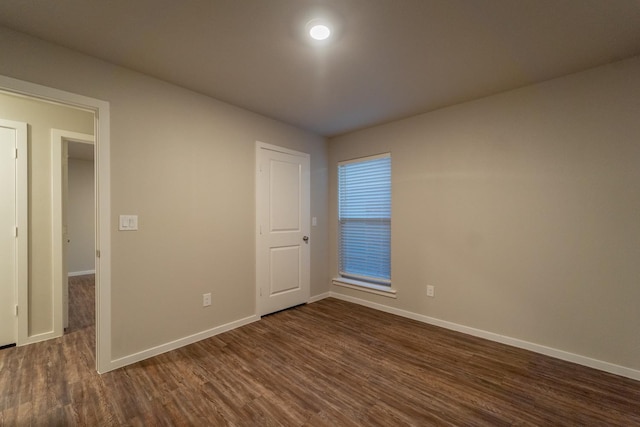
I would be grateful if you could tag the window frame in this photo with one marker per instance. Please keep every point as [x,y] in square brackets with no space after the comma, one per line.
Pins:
[376,285]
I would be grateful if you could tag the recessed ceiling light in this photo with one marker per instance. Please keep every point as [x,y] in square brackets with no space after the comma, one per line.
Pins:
[319,32]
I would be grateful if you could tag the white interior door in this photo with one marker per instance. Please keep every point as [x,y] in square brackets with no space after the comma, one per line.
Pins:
[12,224]
[283,224]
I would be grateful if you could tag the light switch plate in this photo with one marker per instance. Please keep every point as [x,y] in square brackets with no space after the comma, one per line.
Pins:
[128,223]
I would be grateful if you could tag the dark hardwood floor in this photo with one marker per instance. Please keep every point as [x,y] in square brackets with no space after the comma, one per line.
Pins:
[330,363]
[82,308]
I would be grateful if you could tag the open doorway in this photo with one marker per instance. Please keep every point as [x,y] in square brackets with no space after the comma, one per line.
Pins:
[39,314]
[73,216]
[43,291]
[79,301]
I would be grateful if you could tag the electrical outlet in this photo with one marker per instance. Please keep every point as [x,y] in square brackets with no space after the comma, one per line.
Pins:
[206,300]
[431,291]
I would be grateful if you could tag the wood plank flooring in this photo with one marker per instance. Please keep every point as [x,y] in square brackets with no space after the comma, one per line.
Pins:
[82,308]
[330,363]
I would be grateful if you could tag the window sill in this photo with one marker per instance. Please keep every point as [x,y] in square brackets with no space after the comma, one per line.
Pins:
[385,291]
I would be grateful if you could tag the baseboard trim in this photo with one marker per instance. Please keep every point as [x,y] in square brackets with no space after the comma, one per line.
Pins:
[514,342]
[80,273]
[173,345]
[317,298]
[44,336]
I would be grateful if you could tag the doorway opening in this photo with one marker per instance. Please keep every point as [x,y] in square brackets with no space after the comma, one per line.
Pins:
[73,225]
[34,326]
[79,300]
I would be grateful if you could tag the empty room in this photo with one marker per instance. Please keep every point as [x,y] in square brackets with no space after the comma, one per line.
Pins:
[319,212]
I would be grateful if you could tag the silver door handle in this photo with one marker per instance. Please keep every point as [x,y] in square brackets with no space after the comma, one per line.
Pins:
[306,239]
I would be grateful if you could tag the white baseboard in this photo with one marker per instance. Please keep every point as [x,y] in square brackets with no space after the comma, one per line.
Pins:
[80,273]
[537,348]
[32,339]
[317,298]
[173,345]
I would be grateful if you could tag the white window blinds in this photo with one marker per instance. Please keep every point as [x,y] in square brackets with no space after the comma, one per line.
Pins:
[364,216]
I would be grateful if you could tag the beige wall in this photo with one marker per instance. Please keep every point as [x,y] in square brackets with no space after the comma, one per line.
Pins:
[522,209]
[41,118]
[80,216]
[184,163]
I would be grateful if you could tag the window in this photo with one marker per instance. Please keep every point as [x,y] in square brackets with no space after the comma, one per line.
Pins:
[364,217]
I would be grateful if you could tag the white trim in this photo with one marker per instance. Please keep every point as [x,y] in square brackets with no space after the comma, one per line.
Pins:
[32,339]
[277,148]
[365,158]
[80,273]
[22,206]
[372,288]
[173,345]
[365,280]
[514,342]
[317,298]
[71,136]
[103,201]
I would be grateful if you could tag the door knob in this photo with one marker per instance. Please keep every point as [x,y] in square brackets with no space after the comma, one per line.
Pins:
[306,239]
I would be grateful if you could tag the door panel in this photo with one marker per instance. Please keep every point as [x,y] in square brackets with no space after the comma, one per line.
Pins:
[285,270]
[285,188]
[8,249]
[283,217]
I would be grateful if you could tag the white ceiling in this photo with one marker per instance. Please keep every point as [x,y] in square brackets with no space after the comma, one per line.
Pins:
[390,58]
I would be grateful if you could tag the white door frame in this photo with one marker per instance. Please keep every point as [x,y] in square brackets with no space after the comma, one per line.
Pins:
[103,208]
[60,276]
[260,146]
[21,283]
